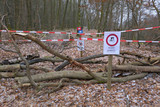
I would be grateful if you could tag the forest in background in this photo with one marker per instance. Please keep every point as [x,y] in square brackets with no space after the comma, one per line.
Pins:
[102,15]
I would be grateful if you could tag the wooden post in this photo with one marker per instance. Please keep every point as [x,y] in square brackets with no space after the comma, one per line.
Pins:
[109,71]
[81,52]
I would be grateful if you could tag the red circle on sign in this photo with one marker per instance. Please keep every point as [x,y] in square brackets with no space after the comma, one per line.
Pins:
[109,36]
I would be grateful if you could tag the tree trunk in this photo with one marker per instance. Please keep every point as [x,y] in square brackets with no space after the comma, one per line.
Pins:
[64,15]
[153,69]
[74,75]
[58,13]
[101,18]
[29,14]
[107,14]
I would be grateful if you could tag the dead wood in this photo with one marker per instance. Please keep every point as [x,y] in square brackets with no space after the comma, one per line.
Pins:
[13,74]
[137,60]
[56,75]
[17,60]
[55,59]
[152,61]
[16,67]
[65,63]
[19,53]
[75,75]
[153,69]
[133,54]
[53,52]
[10,67]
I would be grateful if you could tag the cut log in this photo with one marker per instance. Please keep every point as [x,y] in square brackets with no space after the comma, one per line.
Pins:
[16,67]
[10,67]
[153,69]
[74,75]
[13,74]
[55,75]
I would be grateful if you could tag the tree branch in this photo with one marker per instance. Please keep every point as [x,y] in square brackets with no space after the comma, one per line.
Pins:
[53,52]
[19,53]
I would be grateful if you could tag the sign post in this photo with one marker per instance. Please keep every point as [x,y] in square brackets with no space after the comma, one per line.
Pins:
[80,45]
[80,30]
[111,47]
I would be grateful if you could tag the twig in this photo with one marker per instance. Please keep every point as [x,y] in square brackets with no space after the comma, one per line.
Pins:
[60,85]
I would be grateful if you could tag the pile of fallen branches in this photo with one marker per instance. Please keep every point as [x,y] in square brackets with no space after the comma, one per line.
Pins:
[139,66]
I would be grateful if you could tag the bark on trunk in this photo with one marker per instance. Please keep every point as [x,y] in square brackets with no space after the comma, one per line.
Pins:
[10,67]
[155,69]
[75,75]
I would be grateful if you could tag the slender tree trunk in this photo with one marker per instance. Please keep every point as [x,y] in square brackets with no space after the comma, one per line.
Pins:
[58,13]
[29,14]
[101,18]
[16,13]
[65,11]
[122,7]
[107,14]
[79,14]
[110,16]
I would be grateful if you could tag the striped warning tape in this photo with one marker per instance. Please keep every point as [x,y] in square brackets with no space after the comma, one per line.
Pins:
[141,29]
[46,32]
[92,39]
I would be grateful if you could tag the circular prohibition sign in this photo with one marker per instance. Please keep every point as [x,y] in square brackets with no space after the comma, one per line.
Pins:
[80,43]
[107,39]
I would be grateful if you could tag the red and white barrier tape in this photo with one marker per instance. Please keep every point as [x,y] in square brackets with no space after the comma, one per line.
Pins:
[93,39]
[46,32]
[142,41]
[141,29]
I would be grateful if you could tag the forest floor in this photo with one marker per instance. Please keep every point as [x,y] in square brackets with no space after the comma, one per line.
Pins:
[136,93]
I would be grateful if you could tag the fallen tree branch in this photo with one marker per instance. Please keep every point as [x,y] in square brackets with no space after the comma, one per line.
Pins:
[150,60]
[20,54]
[36,40]
[13,74]
[55,59]
[75,75]
[9,67]
[65,63]
[133,54]
[142,62]
[16,67]
[60,84]
[153,69]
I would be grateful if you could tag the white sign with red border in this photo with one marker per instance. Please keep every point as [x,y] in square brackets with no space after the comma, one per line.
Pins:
[80,45]
[111,43]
